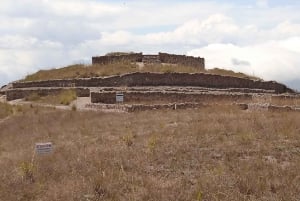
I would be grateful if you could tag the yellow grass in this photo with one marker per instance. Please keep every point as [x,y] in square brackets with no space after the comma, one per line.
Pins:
[213,153]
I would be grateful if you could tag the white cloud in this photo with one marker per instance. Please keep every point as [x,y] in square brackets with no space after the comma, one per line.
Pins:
[21,55]
[291,44]
[287,28]
[79,8]
[214,28]
[262,3]
[274,60]
[22,42]
[45,33]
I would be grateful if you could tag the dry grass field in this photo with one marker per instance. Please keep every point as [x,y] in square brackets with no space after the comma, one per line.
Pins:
[212,153]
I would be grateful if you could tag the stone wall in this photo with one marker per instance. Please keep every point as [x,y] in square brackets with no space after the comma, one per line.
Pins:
[161,79]
[161,57]
[134,57]
[175,97]
[151,59]
[46,83]
[182,60]
[142,107]
[14,94]
[268,107]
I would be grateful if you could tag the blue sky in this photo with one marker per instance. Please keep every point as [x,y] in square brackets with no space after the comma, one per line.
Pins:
[259,37]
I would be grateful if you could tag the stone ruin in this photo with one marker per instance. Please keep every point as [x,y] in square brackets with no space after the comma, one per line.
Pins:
[197,62]
[146,90]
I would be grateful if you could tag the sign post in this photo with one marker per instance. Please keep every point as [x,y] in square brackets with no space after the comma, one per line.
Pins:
[119,97]
[43,148]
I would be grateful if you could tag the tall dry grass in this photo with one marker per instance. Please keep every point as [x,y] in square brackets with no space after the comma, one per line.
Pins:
[213,153]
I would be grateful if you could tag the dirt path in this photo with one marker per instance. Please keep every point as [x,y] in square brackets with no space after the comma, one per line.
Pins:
[81,104]
[22,102]
[5,119]
[2,99]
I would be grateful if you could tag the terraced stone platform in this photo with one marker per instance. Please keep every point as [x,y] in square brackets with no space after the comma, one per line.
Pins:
[162,89]
[161,79]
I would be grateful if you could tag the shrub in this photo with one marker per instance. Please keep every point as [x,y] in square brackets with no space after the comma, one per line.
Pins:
[152,142]
[128,139]
[74,108]
[27,171]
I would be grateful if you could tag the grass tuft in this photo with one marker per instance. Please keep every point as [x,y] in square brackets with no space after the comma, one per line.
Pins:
[152,143]
[128,139]
[27,171]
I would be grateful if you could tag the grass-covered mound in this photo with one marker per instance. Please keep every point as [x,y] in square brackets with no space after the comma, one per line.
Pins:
[86,71]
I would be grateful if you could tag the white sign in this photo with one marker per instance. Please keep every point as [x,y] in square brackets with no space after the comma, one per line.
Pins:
[43,148]
[119,97]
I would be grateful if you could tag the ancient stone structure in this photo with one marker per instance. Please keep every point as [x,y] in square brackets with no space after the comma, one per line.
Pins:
[152,59]
[182,60]
[132,57]
[161,90]
[161,79]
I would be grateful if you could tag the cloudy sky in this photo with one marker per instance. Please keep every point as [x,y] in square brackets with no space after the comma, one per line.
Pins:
[258,37]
